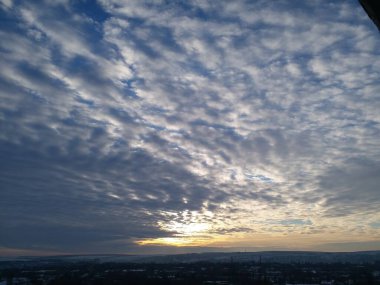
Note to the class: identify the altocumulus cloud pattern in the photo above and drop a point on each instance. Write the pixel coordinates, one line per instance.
(133, 126)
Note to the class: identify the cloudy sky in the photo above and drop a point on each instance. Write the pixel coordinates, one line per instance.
(173, 126)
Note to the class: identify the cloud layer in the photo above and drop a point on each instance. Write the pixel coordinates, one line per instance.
(197, 123)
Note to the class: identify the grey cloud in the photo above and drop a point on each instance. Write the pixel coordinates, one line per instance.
(70, 194)
(351, 187)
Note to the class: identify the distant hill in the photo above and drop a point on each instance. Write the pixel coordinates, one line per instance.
(218, 257)
(267, 256)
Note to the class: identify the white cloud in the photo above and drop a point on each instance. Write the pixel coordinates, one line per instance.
(6, 4)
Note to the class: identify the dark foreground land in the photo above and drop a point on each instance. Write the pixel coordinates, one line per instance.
(95, 271)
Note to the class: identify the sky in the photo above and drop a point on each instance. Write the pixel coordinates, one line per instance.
(188, 126)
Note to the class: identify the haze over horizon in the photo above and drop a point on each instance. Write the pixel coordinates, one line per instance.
(184, 126)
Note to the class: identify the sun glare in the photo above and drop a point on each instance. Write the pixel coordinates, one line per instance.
(187, 229)
(191, 231)
(173, 241)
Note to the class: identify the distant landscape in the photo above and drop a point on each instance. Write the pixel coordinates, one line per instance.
(222, 257)
(270, 268)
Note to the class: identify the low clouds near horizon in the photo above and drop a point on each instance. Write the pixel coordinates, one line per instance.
(127, 125)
